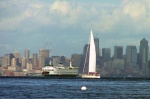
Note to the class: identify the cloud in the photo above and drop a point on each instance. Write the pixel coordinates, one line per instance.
(60, 7)
(63, 14)
(139, 12)
(71, 20)
(135, 10)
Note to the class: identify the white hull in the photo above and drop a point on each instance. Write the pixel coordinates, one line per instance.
(90, 76)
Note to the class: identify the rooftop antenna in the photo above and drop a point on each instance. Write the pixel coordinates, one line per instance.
(48, 46)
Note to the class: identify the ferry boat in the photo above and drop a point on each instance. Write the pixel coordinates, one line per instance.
(60, 71)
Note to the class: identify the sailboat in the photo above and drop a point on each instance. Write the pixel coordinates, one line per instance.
(92, 60)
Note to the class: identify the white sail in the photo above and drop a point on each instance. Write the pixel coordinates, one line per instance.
(92, 56)
(92, 60)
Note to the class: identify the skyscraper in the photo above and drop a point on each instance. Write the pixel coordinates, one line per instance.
(35, 60)
(14, 62)
(144, 50)
(9, 57)
(17, 55)
(106, 54)
(118, 52)
(27, 54)
(24, 63)
(85, 58)
(86, 51)
(43, 57)
(96, 40)
(131, 55)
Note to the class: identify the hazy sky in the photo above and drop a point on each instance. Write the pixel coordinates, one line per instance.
(64, 25)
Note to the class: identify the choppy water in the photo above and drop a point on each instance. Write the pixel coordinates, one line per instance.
(22, 88)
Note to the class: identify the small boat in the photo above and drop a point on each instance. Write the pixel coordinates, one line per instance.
(92, 60)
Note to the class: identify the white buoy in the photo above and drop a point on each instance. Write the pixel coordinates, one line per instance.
(83, 88)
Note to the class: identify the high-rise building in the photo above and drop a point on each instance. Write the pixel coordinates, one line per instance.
(24, 63)
(27, 54)
(85, 60)
(4, 61)
(56, 60)
(149, 64)
(131, 56)
(149, 56)
(1, 61)
(76, 59)
(44, 52)
(29, 67)
(14, 62)
(106, 54)
(17, 55)
(118, 52)
(85, 50)
(9, 57)
(144, 50)
(43, 57)
(96, 40)
(35, 60)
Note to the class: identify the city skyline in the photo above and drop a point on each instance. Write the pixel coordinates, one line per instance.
(65, 25)
(132, 62)
(27, 52)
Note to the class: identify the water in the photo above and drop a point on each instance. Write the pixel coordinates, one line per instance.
(24, 88)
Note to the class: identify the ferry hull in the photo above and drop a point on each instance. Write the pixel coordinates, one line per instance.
(60, 76)
(47, 74)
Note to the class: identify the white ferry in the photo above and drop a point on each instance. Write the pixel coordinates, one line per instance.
(60, 71)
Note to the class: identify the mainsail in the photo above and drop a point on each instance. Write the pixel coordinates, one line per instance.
(92, 56)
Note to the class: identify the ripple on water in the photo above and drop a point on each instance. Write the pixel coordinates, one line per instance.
(71, 88)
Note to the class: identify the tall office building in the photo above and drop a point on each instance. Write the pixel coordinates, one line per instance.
(44, 52)
(149, 56)
(85, 58)
(43, 57)
(14, 62)
(106, 54)
(9, 57)
(96, 40)
(24, 63)
(17, 55)
(149, 60)
(144, 50)
(29, 67)
(118, 52)
(76, 59)
(35, 60)
(56, 60)
(27, 54)
(86, 51)
(131, 56)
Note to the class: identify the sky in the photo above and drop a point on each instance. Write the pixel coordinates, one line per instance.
(64, 25)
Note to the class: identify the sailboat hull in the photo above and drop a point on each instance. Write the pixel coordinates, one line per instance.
(90, 76)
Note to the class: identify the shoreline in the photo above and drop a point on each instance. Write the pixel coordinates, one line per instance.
(103, 78)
